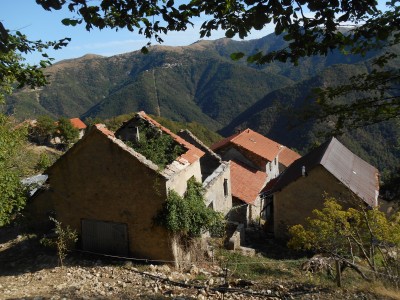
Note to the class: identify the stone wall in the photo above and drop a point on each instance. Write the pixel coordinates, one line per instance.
(178, 181)
(99, 180)
(216, 196)
(296, 201)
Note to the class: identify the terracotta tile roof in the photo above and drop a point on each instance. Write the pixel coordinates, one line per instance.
(246, 183)
(359, 176)
(223, 142)
(259, 145)
(77, 123)
(104, 129)
(191, 155)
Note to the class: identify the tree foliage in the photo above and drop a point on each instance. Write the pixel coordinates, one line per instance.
(156, 145)
(12, 67)
(309, 27)
(46, 125)
(353, 234)
(12, 192)
(188, 216)
(44, 129)
(376, 99)
(68, 133)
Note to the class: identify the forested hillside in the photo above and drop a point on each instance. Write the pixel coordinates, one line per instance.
(201, 83)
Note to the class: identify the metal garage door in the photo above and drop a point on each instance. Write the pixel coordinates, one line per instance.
(105, 237)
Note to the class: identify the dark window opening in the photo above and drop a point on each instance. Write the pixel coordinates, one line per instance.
(226, 192)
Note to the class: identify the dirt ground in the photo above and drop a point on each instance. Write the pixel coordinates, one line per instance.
(31, 271)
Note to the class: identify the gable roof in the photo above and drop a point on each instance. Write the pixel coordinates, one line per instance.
(77, 123)
(260, 146)
(192, 153)
(194, 140)
(358, 175)
(168, 172)
(246, 183)
(104, 130)
(105, 133)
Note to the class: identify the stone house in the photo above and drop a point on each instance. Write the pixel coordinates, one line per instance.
(213, 172)
(254, 161)
(216, 175)
(330, 169)
(110, 193)
(78, 124)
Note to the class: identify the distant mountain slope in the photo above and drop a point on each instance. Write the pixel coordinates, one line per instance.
(200, 83)
(189, 87)
(278, 115)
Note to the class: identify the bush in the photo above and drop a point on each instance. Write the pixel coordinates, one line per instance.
(156, 146)
(188, 216)
(349, 234)
(12, 192)
(65, 237)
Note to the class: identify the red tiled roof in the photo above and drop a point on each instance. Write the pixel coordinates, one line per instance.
(259, 145)
(246, 183)
(77, 123)
(104, 129)
(223, 142)
(191, 155)
(288, 156)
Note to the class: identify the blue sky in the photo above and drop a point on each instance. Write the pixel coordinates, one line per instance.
(36, 23)
(31, 19)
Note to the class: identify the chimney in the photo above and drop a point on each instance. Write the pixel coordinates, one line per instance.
(137, 135)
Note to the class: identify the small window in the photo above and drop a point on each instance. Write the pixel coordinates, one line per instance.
(226, 187)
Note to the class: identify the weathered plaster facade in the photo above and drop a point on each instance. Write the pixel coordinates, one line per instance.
(178, 181)
(295, 202)
(216, 176)
(101, 185)
(217, 187)
(101, 179)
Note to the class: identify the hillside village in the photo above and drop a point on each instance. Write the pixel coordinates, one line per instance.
(110, 194)
(244, 177)
(261, 165)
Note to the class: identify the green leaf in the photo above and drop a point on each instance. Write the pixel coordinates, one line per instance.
(144, 50)
(237, 55)
(229, 33)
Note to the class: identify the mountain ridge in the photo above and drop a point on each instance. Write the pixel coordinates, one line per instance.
(201, 83)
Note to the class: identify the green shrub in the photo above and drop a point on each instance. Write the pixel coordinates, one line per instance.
(188, 216)
(65, 237)
(156, 146)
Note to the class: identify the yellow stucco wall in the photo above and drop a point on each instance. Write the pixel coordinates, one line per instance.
(296, 201)
(98, 180)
